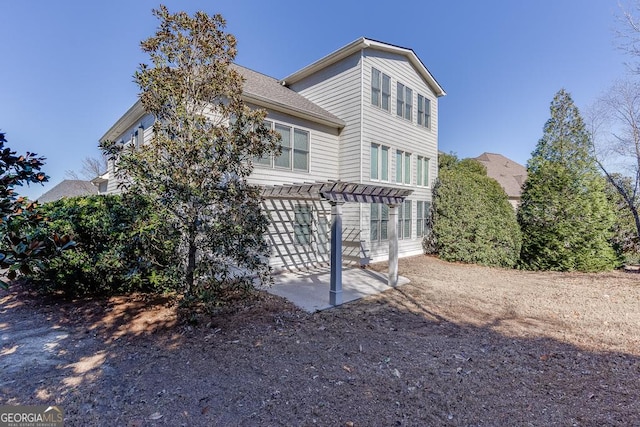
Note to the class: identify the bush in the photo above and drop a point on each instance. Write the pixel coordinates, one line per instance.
(122, 246)
(472, 218)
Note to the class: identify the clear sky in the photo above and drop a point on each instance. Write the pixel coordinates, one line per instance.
(67, 65)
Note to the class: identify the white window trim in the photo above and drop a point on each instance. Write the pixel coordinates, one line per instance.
(379, 163)
(381, 91)
(420, 164)
(292, 133)
(425, 117)
(403, 163)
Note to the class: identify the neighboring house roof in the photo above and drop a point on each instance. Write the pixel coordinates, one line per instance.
(509, 174)
(69, 188)
(364, 43)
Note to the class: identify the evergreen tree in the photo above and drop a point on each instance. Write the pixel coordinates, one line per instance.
(196, 165)
(565, 217)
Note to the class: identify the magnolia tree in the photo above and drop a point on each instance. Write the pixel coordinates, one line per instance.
(20, 252)
(196, 164)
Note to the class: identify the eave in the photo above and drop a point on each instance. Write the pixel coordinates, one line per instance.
(356, 46)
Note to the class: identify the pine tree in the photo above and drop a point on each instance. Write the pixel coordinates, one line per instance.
(565, 217)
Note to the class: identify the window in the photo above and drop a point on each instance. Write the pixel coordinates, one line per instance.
(422, 219)
(379, 162)
(380, 89)
(265, 160)
(404, 103)
(379, 222)
(295, 148)
(403, 167)
(423, 171)
(424, 111)
(302, 225)
(300, 150)
(284, 159)
(404, 220)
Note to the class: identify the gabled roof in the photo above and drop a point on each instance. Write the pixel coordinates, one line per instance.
(266, 91)
(69, 188)
(364, 43)
(258, 89)
(509, 174)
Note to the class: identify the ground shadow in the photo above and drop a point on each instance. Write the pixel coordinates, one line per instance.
(386, 360)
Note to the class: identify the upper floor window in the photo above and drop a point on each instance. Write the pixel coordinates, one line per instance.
(266, 159)
(380, 89)
(423, 171)
(379, 162)
(404, 106)
(295, 148)
(404, 220)
(403, 167)
(424, 111)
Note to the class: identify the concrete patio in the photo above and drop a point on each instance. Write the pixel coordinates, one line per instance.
(309, 289)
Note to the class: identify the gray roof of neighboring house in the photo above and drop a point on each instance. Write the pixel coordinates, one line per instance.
(69, 188)
(509, 174)
(267, 91)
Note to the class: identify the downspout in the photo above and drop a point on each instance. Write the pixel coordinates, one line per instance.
(361, 131)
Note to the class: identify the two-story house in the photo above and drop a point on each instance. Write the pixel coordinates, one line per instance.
(359, 141)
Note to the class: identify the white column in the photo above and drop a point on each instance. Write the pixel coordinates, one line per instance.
(392, 234)
(335, 293)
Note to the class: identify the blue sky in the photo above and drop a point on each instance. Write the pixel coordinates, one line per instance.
(67, 65)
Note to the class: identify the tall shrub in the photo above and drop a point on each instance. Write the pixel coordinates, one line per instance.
(472, 218)
(122, 246)
(565, 216)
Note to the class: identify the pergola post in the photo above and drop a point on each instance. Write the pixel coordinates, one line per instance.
(335, 293)
(392, 234)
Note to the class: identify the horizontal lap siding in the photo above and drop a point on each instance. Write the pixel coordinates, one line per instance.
(147, 123)
(323, 155)
(285, 252)
(386, 128)
(337, 89)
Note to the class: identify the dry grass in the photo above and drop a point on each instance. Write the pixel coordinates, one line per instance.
(461, 345)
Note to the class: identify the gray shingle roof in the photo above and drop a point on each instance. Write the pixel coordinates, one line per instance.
(509, 174)
(268, 89)
(69, 188)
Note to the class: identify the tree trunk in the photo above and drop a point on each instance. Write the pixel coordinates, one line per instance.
(191, 261)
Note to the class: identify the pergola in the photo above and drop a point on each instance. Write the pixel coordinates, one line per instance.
(338, 193)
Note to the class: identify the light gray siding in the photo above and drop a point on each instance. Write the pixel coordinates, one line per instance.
(323, 155)
(344, 89)
(337, 89)
(387, 128)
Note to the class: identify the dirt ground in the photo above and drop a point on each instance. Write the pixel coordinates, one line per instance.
(461, 345)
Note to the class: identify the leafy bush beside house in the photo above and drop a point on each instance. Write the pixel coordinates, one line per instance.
(123, 246)
(472, 218)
